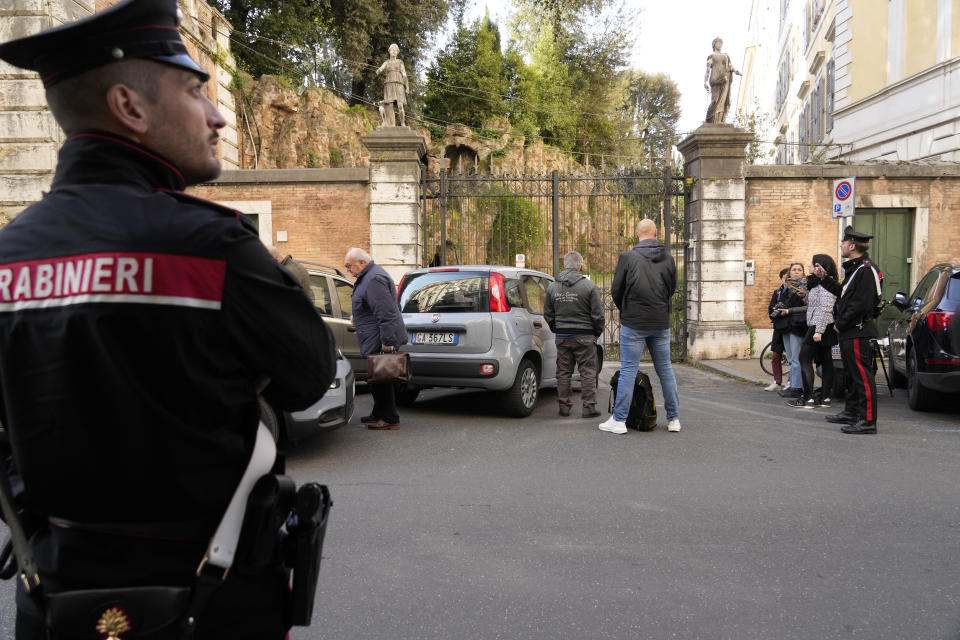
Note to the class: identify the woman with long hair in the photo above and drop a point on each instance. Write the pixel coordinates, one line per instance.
(820, 337)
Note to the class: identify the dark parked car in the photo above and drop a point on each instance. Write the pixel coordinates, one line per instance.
(925, 340)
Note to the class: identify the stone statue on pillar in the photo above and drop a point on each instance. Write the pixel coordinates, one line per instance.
(395, 88)
(717, 80)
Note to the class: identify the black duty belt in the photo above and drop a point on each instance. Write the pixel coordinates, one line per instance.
(184, 532)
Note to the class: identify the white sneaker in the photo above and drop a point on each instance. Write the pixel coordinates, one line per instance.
(773, 386)
(613, 426)
(674, 425)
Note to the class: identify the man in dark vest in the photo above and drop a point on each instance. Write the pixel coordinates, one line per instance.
(858, 303)
(574, 312)
(137, 326)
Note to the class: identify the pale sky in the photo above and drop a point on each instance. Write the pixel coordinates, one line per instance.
(674, 38)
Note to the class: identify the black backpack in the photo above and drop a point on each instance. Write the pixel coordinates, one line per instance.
(643, 407)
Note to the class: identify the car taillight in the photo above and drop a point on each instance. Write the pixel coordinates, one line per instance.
(939, 320)
(444, 270)
(498, 297)
(400, 286)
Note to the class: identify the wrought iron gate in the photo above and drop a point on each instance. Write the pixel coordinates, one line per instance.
(482, 219)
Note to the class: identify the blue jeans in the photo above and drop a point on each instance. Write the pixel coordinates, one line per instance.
(792, 342)
(632, 343)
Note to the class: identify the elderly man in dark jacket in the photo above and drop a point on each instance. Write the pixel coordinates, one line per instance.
(574, 311)
(644, 282)
(379, 328)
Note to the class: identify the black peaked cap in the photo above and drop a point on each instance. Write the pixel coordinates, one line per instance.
(850, 234)
(146, 29)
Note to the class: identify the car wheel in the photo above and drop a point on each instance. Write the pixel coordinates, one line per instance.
(897, 379)
(269, 418)
(407, 394)
(521, 398)
(917, 397)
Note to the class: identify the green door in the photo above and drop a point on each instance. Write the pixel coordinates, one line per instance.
(892, 231)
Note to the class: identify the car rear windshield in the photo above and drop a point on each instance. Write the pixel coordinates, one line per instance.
(447, 291)
(951, 300)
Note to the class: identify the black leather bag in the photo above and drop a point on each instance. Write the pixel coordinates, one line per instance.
(389, 367)
(156, 613)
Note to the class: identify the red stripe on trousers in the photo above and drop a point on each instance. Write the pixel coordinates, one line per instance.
(863, 378)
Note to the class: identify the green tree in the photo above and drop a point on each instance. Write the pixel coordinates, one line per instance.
(552, 104)
(466, 82)
(517, 225)
(342, 42)
(272, 37)
(758, 123)
(576, 50)
(648, 114)
(519, 92)
(363, 30)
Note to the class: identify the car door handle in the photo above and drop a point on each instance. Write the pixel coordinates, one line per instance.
(538, 325)
(352, 329)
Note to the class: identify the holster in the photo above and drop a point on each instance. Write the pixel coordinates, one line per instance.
(268, 508)
(306, 529)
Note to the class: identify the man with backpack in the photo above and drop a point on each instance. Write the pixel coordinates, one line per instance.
(858, 305)
(574, 312)
(643, 285)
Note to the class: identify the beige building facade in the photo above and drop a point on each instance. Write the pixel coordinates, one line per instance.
(898, 80)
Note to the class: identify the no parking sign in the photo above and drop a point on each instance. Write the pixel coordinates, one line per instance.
(843, 197)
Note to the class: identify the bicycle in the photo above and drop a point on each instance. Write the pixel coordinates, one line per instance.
(767, 354)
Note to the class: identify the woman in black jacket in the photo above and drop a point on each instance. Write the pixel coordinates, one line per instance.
(796, 313)
(777, 302)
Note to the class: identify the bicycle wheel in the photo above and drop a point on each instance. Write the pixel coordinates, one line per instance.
(766, 361)
(764, 355)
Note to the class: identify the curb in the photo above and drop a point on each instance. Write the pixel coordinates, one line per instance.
(730, 372)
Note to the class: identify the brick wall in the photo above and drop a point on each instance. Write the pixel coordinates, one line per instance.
(788, 217)
(324, 212)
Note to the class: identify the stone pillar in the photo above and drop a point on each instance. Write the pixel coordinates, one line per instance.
(396, 233)
(714, 217)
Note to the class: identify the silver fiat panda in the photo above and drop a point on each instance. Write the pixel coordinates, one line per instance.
(478, 326)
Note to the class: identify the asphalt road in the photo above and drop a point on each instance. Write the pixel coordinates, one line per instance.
(756, 521)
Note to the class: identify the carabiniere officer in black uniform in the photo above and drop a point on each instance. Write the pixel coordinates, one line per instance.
(137, 325)
(858, 299)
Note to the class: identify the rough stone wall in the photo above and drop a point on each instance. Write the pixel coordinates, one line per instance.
(323, 212)
(788, 217)
(311, 130)
(317, 128)
(507, 154)
(29, 136)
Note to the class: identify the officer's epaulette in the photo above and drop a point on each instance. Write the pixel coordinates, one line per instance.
(208, 204)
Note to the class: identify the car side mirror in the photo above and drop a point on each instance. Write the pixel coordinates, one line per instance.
(900, 301)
